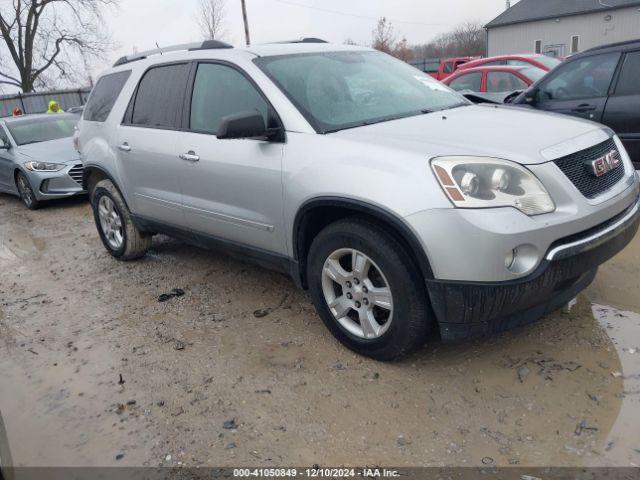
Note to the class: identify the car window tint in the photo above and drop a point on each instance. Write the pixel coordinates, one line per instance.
(517, 63)
(588, 77)
(448, 67)
(504, 82)
(159, 98)
(104, 96)
(3, 136)
(219, 91)
(629, 82)
(470, 81)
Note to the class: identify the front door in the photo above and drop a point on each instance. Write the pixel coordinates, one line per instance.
(232, 188)
(579, 87)
(6, 163)
(147, 144)
(622, 110)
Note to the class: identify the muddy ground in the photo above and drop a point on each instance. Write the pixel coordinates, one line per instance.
(95, 371)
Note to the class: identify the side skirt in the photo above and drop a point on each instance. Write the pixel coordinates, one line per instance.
(239, 251)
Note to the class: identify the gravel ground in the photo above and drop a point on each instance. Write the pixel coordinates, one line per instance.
(95, 371)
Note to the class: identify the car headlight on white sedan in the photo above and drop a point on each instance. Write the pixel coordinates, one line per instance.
(478, 182)
(43, 166)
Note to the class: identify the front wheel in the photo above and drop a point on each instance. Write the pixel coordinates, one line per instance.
(27, 194)
(118, 233)
(367, 290)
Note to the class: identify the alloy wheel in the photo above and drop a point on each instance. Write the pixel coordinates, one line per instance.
(357, 293)
(24, 188)
(110, 222)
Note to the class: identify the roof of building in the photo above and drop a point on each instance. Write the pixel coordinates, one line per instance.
(531, 10)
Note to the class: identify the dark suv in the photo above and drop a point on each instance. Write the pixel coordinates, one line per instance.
(601, 84)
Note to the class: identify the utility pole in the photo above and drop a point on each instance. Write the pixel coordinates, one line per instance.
(508, 4)
(246, 22)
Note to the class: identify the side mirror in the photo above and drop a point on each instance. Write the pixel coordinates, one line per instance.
(4, 145)
(531, 96)
(243, 125)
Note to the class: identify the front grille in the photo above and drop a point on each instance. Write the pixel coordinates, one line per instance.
(573, 166)
(76, 173)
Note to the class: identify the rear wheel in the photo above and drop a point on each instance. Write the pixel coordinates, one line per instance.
(118, 233)
(367, 290)
(27, 194)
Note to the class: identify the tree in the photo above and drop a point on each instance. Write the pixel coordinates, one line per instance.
(384, 37)
(467, 39)
(50, 40)
(210, 19)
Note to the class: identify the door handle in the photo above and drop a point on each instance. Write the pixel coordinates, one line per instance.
(584, 108)
(124, 147)
(190, 156)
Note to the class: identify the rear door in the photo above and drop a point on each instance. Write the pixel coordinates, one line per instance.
(579, 87)
(622, 112)
(148, 143)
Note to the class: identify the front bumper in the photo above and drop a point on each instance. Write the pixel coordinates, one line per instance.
(471, 309)
(64, 183)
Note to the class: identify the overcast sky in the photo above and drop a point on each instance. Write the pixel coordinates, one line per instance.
(141, 23)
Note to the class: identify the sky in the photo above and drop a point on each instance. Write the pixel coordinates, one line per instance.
(141, 23)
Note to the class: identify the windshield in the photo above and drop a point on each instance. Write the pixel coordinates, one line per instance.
(338, 90)
(41, 129)
(548, 62)
(533, 73)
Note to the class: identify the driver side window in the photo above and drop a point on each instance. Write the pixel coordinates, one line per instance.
(588, 77)
(4, 139)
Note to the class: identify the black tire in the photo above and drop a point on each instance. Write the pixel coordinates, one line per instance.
(26, 192)
(412, 318)
(134, 242)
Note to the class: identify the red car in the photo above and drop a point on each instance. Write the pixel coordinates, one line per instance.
(544, 62)
(498, 80)
(448, 66)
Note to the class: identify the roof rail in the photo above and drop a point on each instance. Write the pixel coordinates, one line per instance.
(206, 45)
(612, 45)
(304, 40)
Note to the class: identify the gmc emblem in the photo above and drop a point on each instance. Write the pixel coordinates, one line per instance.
(602, 165)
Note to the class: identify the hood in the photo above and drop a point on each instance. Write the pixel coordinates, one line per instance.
(520, 135)
(54, 151)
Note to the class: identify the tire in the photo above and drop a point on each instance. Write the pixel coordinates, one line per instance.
(405, 320)
(26, 192)
(122, 239)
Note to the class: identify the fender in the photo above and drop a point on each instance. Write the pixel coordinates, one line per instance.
(398, 226)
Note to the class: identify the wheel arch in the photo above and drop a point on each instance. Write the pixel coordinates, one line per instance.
(93, 174)
(317, 213)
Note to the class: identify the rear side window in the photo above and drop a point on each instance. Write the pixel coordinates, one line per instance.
(448, 67)
(470, 81)
(629, 83)
(219, 91)
(160, 95)
(104, 96)
(499, 82)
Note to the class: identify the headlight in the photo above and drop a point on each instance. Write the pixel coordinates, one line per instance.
(43, 166)
(476, 182)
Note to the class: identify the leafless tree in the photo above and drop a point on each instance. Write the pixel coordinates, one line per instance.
(49, 42)
(210, 18)
(385, 40)
(467, 39)
(384, 37)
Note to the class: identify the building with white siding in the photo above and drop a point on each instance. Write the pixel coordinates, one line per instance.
(562, 27)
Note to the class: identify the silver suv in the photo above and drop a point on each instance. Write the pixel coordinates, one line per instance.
(403, 208)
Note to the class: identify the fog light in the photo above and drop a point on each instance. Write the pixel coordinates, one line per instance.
(510, 259)
(522, 259)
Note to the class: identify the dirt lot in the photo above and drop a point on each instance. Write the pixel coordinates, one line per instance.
(95, 371)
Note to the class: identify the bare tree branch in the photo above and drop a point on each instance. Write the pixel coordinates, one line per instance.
(51, 40)
(211, 19)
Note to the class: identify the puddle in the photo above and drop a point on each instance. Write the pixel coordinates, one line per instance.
(624, 329)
